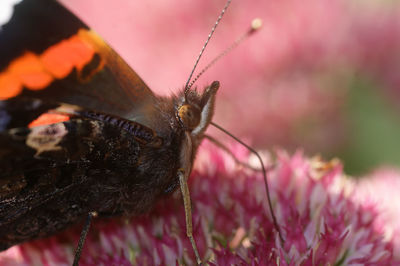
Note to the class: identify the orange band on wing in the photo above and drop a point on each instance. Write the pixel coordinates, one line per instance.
(48, 119)
(36, 72)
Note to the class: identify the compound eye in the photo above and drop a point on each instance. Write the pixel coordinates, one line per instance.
(188, 116)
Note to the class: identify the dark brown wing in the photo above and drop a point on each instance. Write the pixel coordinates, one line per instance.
(58, 162)
(47, 53)
(53, 174)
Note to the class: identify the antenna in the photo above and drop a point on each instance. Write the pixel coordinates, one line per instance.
(276, 225)
(205, 44)
(255, 25)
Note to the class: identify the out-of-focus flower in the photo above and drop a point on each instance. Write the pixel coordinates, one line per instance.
(315, 205)
(381, 191)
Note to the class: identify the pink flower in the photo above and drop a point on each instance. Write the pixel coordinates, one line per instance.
(380, 191)
(315, 204)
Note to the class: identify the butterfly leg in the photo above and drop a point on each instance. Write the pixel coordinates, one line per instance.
(82, 238)
(188, 212)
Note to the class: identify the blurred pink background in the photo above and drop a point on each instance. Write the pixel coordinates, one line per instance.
(322, 75)
(288, 85)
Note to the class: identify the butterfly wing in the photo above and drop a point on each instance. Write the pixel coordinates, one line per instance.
(53, 175)
(46, 52)
(55, 172)
(73, 134)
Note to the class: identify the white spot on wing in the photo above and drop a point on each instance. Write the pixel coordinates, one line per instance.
(67, 109)
(46, 138)
(6, 10)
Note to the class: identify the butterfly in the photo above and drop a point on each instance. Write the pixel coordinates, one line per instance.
(81, 134)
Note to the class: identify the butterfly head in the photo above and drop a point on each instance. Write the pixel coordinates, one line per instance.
(194, 112)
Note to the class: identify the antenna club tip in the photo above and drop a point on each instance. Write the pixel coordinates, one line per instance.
(256, 24)
(215, 85)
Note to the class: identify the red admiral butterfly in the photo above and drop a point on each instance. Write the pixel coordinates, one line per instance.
(80, 132)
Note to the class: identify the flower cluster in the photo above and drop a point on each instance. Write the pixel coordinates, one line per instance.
(323, 218)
